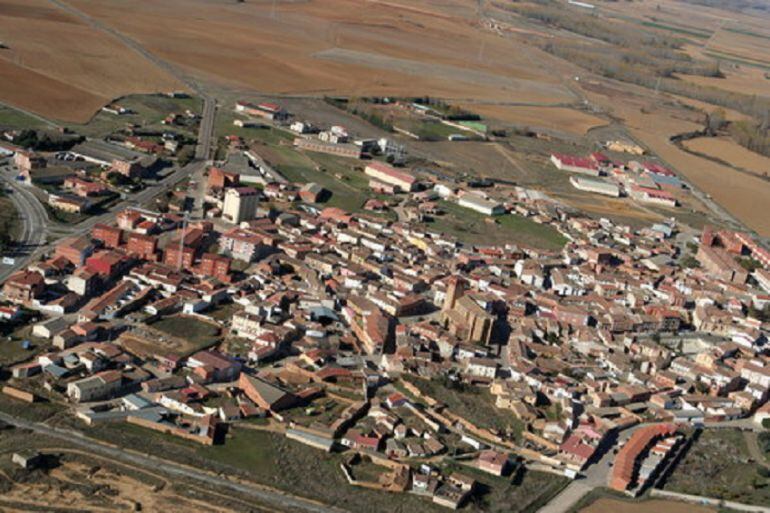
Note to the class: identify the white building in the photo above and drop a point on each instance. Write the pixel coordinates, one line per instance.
(595, 186)
(482, 205)
(240, 204)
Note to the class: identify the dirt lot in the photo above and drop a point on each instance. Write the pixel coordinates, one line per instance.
(74, 480)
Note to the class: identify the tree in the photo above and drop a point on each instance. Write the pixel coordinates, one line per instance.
(715, 121)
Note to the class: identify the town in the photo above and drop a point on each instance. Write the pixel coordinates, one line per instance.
(234, 295)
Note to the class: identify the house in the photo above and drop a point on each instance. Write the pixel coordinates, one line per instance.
(265, 395)
(493, 462)
(69, 203)
(312, 193)
(390, 175)
(23, 287)
(214, 366)
(94, 388)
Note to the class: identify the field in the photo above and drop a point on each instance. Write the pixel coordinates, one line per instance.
(719, 464)
(146, 110)
(473, 228)
(58, 66)
(473, 404)
(730, 152)
(558, 119)
(196, 332)
(179, 335)
(389, 48)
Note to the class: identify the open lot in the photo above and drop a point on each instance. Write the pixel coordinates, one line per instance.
(719, 464)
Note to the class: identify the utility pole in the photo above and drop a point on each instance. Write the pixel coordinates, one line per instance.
(181, 241)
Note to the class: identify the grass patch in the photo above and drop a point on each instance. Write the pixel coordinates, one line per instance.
(199, 333)
(472, 227)
(677, 30)
(15, 119)
(472, 403)
(148, 111)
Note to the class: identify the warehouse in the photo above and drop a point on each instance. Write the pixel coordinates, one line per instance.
(596, 186)
(481, 205)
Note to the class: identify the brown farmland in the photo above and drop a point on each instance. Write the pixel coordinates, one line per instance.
(58, 66)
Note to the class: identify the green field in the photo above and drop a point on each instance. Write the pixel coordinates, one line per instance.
(149, 111)
(14, 119)
(472, 403)
(472, 227)
(223, 126)
(200, 334)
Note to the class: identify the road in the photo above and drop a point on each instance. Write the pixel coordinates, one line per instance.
(92, 446)
(34, 221)
(203, 150)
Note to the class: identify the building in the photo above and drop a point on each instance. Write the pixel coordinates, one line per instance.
(110, 236)
(390, 175)
(312, 193)
(574, 164)
(142, 246)
(27, 161)
(263, 110)
(265, 395)
(114, 157)
(221, 179)
(107, 263)
(76, 250)
(341, 150)
(23, 287)
(625, 469)
(94, 388)
(465, 318)
(240, 204)
(721, 265)
(596, 186)
(217, 266)
(651, 195)
(244, 245)
(481, 205)
(69, 203)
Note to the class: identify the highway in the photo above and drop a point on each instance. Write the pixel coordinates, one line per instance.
(264, 495)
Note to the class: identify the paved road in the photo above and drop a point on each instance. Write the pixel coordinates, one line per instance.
(93, 446)
(34, 222)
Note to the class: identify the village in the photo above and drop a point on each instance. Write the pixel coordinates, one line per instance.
(245, 296)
